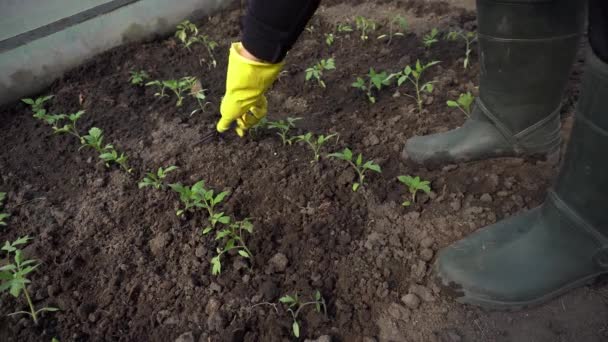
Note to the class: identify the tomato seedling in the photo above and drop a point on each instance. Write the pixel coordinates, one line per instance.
(295, 306)
(365, 26)
(70, 127)
(179, 87)
(198, 93)
(397, 23)
(107, 152)
(315, 144)
(469, 38)
(199, 197)
(3, 216)
(414, 77)
(343, 28)
(37, 105)
(374, 79)
(463, 103)
(13, 277)
(329, 39)
(258, 127)
(283, 127)
(358, 164)
(138, 77)
(316, 71)
(414, 185)
(156, 179)
(430, 38)
(188, 34)
(233, 240)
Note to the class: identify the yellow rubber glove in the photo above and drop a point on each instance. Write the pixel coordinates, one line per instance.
(246, 83)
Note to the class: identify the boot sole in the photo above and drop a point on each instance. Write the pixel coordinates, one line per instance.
(551, 158)
(516, 306)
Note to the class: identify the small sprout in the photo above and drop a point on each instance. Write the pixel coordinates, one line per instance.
(198, 93)
(13, 277)
(198, 196)
(469, 38)
(37, 105)
(374, 79)
(329, 39)
(463, 103)
(294, 307)
(138, 77)
(156, 179)
(316, 71)
(260, 126)
(107, 153)
(3, 216)
(365, 26)
(414, 76)
(94, 139)
(414, 185)
(233, 240)
(430, 38)
(283, 127)
(161, 85)
(343, 28)
(315, 144)
(179, 87)
(187, 33)
(70, 127)
(110, 155)
(397, 23)
(210, 45)
(358, 164)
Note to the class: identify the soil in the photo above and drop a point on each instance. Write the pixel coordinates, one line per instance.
(123, 267)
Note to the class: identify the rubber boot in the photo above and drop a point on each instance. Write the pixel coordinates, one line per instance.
(526, 50)
(530, 258)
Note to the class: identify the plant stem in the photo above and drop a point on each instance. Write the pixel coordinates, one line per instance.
(359, 172)
(30, 304)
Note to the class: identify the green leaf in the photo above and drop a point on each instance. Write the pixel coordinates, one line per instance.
(216, 265)
(296, 329)
(452, 104)
(222, 234)
(16, 285)
(9, 267)
(220, 197)
(287, 299)
(356, 186)
(374, 167)
(244, 254)
(359, 159)
(406, 203)
(28, 101)
(22, 240)
(224, 219)
(207, 230)
(317, 295)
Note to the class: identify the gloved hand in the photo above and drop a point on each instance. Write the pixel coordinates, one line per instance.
(246, 83)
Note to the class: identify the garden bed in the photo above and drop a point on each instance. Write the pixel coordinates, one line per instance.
(121, 266)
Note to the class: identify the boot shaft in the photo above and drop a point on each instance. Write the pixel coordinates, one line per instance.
(583, 180)
(526, 51)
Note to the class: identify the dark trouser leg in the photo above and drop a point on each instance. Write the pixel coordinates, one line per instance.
(526, 50)
(537, 255)
(271, 27)
(598, 28)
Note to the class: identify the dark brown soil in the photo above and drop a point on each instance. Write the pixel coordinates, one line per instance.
(122, 266)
